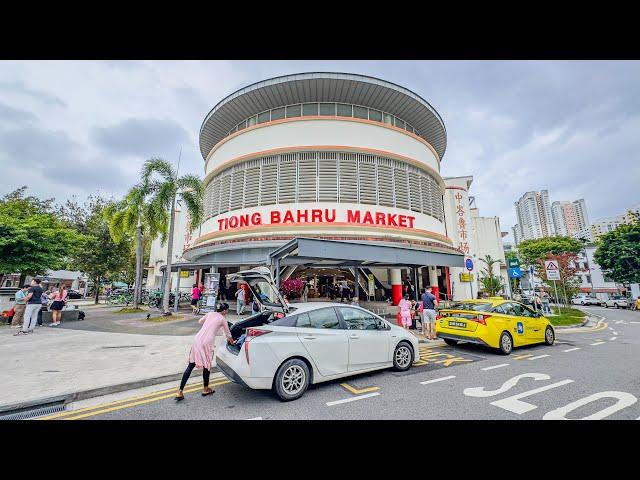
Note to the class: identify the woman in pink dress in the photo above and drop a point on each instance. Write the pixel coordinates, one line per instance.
(405, 311)
(201, 352)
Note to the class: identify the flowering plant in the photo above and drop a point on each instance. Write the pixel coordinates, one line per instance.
(292, 287)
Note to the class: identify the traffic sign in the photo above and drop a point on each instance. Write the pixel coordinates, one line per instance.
(552, 269)
(513, 263)
(469, 264)
(514, 272)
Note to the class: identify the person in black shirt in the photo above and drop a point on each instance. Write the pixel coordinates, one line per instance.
(34, 304)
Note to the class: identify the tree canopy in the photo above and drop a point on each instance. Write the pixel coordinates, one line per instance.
(618, 253)
(532, 251)
(33, 238)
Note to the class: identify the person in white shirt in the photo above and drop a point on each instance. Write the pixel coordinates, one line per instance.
(241, 300)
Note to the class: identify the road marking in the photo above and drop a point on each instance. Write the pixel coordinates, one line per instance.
(515, 405)
(357, 391)
(597, 343)
(438, 380)
(352, 399)
(128, 403)
(615, 333)
(612, 339)
(495, 366)
(539, 356)
(522, 357)
(623, 400)
(572, 349)
(634, 322)
(610, 328)
(256, 418)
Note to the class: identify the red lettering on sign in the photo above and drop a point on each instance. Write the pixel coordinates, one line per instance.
(303, 216)
(275, 216)
(411, 219)
(288, 217)
(391, 219)
(256, 219)
(244, 220)
(402, 220)
(353, 217)
(330, 218)
(316, 215)
(220, 222)
(233, 222)
(368, 218)
(380, 218)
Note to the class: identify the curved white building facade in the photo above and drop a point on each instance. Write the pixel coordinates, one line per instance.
(322, 155)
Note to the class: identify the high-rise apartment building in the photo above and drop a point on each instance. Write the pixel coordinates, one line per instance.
(535, 220)
(605, 225)
(571, 219)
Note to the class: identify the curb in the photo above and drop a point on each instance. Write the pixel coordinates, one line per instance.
(95, 392)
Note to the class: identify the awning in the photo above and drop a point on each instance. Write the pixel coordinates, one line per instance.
(313, 252)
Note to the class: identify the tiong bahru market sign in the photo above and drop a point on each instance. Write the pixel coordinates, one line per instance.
(318, 214)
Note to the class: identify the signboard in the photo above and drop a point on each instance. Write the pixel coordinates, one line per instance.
(185, 273)
(372, 285)
(211, 286)
(466, 277)
(514, 272)
(513, 263)
(552, 269)
(468, 263)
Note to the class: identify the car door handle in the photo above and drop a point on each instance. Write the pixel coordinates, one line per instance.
(353, 335)
(309, 337)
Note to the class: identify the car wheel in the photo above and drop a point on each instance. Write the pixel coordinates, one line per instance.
(616, 305)
(402, 357)
(451, 341)
(549, 336)
(582, 303)
(292, 380)
(606, 305)
(506, 343)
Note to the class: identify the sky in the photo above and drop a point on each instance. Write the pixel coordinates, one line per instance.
(74, 128)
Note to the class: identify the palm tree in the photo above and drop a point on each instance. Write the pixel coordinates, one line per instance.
(163, 193)
(135, 216)
(491, 283)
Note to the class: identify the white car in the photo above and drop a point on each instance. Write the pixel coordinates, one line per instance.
(288, 347)
(616, 301)
(582, 299)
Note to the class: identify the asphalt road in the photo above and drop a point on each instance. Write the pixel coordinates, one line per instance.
(586, 374)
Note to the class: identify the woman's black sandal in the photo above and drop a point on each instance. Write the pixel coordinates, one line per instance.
(211, 390)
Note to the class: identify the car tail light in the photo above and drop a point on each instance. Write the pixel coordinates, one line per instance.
(251, 334)
(246, 351)
(482, 319)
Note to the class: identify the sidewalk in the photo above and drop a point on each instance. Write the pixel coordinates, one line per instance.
(58, 362)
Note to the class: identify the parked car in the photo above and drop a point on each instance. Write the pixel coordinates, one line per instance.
(617, 301)
(493, 322)
(583, 299)
(288, 347)
(73, 294)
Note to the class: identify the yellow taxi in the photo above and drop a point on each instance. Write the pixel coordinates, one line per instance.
(494, 322)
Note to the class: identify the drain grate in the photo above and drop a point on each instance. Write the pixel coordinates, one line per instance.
(37, 412)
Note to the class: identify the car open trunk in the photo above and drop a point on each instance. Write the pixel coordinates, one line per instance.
(239, 328)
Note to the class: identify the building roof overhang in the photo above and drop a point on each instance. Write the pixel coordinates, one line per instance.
(323, 87)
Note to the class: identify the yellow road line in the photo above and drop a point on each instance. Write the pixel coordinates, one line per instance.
(135, 404)
(357, 391)
(521, 357)
(189, 388)
(586, 330)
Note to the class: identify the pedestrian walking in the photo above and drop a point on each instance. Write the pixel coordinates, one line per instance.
(429, 314)
(405, 311)
(202, 349)
(44, 301)
(241, 300)
(19, 307)
(305, 292)
(545, 302)
(59, 300)
(33, 307)
(344, 290)
(195, 298)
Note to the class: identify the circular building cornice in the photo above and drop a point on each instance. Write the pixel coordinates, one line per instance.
(323, 87)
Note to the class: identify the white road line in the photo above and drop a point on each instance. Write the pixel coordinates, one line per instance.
(612, 339)
(634, 322)
(438, 379)
(597, 343)
(353, 399)
(495, 366)
(610, 328)
(257, 418)
(539, 356)
(615, 333)
(572, 349)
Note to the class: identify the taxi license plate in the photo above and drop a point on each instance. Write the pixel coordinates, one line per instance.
(453, 323)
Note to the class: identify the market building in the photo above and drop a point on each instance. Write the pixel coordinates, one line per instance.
(329, 177)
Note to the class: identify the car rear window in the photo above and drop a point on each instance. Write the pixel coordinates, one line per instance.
(289, 321)
(476, 307)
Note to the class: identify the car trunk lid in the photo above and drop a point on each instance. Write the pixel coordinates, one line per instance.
(262, 287)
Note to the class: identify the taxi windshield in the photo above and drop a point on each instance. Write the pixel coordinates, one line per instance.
(475, 306)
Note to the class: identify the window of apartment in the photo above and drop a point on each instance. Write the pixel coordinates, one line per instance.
(251, 121)
(264, 117)
(293, 111)
(344, 110)
(242, 126)
(277, 113)
(327, 109)
(360, 112)
(375, 115)
(388, 119)
(399, 123)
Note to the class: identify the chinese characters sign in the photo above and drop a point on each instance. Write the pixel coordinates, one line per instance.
(463, 236)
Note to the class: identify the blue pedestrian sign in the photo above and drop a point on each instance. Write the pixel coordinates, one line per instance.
(514, 272)
(469, 264)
